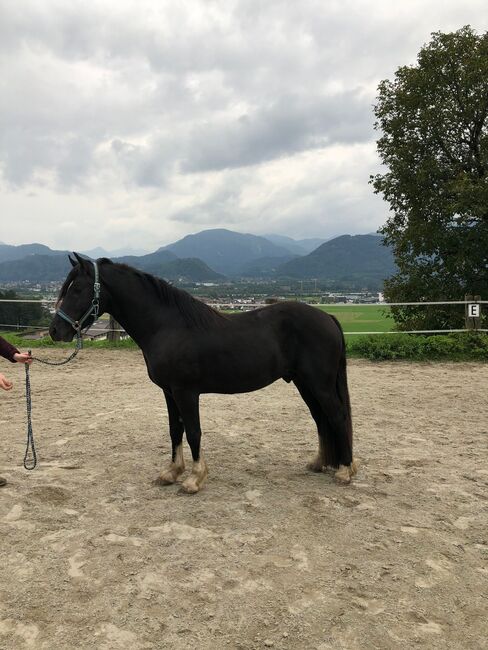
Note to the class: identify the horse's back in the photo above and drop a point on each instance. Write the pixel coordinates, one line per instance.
(297, 319)
(249, 350)
(302, 332)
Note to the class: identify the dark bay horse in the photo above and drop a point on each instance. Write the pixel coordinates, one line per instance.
(191, 349)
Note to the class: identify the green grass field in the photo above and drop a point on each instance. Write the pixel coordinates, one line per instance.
(362, 318)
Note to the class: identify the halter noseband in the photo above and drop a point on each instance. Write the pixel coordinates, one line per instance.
(93, 309)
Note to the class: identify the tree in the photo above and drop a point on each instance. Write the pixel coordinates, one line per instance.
(13, 314)
(434, 144)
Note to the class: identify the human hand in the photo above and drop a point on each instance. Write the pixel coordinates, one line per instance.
(5, 383)
(23, 357)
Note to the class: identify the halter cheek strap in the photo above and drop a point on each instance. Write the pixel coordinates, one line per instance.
(93, 309)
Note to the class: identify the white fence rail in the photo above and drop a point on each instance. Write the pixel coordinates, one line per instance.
(335, 304)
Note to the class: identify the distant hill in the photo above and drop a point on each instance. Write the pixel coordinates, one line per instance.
(226, 251)
(348, 261)
(144, 262)
(296, 246)
(188, 269)
(97, 252)
(35, 268)
(9, 252)
(264, 267)
(165, 264)
(291, 245)
(312, 243)
(356, 259)
(54, 268)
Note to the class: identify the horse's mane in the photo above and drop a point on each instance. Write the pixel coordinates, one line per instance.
(195, 312)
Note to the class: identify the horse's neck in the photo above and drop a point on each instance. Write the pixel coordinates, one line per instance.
(131, 307)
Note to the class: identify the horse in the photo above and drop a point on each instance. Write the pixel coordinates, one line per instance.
(191, 349)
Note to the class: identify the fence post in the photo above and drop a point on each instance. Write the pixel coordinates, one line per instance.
(472, 322)
(113, 336)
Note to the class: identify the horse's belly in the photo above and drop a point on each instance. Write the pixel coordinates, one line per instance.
(239, 385)
(243, 376)
(221, 364)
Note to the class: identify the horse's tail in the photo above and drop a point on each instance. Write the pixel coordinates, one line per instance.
(343, 392)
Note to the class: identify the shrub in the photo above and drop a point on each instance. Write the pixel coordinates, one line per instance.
(463, 346)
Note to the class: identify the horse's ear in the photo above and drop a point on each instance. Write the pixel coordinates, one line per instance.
(82, 261)
(72, 261)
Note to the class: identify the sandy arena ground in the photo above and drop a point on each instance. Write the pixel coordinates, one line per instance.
(93, 555)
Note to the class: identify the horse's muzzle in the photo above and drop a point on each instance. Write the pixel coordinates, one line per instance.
(61, 332)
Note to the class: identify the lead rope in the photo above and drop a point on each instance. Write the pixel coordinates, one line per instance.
(30, 457)
(29, 463)
(79, 345)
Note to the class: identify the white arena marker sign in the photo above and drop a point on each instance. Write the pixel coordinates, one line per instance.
(474, 310)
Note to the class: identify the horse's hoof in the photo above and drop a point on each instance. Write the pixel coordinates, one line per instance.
(159, 481)
(195, 481)
(166, 478)
(343, 475)
(345, 472)
(190, 486)
(170, 475)
(314, 466)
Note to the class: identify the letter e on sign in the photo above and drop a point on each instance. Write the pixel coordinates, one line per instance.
(473, 310)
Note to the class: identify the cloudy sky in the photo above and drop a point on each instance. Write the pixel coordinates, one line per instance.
(134, 123)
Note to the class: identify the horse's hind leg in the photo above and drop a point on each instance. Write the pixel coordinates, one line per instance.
(338, 435)
(318, 462)
(176, 429)
(187, 403)
(332, 417)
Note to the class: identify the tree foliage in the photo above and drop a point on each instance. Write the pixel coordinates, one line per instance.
(15, 313)
(434, 144)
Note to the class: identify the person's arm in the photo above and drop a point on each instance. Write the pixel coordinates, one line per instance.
(8, 351)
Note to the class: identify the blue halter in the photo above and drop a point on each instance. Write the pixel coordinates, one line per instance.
(93, 309)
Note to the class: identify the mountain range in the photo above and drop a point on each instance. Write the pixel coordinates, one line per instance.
(226, 251)
(215, 255)
(346, 259)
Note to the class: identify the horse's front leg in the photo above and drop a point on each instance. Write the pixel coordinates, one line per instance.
(188, 405)
(176, 429)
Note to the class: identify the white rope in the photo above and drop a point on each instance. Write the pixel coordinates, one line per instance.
(416, 332)
(331, 304)
(38, 327)
(122, 331)
(340, 305)
(36, 302)
(399, 304)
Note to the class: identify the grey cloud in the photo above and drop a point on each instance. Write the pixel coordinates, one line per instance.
(150, 164)
(169, 75)
(149, 98)
(326, 211)
(154, 71)
(291, 125)
(221, 207)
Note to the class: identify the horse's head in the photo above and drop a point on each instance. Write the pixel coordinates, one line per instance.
(79, 302)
